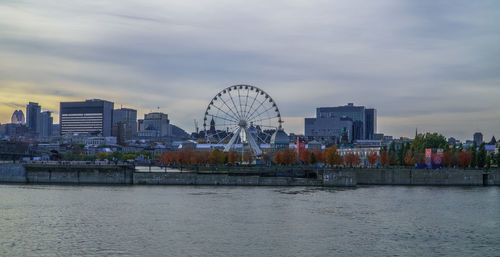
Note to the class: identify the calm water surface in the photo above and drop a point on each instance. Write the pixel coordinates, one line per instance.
(248, 221)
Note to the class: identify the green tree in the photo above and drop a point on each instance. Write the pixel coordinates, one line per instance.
(401, 153)
(498, 158)
(313, 159)
(473, 151)
(129, 156)
(428, 140)
(481, 156)
(393, 156)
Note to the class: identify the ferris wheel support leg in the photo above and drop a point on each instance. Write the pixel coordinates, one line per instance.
(231, 142)
(255, 148)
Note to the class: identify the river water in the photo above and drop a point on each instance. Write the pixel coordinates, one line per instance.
(48, 220)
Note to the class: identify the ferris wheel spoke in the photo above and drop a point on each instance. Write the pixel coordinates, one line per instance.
(229, 108)
(240, 103)
(246, 100)
(232, 100)
(226, 128)
(256, 109)
(222, 118)
(218, 108)
(253, 102)
(229, 135)
(217, 134)
(266, 126)
(258, 115)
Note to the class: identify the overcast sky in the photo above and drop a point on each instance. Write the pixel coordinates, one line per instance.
(432, 65)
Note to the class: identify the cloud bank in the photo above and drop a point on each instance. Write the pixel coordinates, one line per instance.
(431, 65)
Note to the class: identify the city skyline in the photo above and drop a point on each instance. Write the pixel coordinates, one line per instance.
(427, 65)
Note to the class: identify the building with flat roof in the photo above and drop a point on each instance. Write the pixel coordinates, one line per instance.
(341, 124)
(370, 123)
(329, 130)
(46, 122)
(33, 111)
(91, 116)
(124, 124)
(155, 125)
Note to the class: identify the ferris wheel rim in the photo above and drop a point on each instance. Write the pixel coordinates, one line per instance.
(239, 123)
(240, 86)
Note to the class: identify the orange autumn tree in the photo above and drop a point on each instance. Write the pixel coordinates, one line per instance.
(232, 157)
(464, 159)
(286, 156)
(448, 158)
(168, 158)
(305, 157)
(332, 156)
(278, 157)
(384, 158)
(372, 158)
(351, 159)
(217, 157)
(319, 155)
(248, 157)
(409, 159)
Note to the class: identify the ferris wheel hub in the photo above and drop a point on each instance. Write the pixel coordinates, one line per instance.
(243, 123)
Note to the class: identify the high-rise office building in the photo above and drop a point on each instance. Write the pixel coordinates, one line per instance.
(355, 113)
(33, 117)
(329, 130)
(46, 122)
(124, 123)
(370, 123)
(91, 116)
(364, 122)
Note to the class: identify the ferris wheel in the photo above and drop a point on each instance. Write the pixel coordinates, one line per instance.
(243, 117)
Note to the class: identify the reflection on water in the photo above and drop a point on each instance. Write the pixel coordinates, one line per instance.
(248, 221)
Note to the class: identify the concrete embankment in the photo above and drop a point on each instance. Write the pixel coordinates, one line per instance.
(78, 174)
(333, 179)
(12, 173)
(442, 177)
(122, 174)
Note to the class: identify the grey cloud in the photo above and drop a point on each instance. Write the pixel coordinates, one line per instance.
(404, 58)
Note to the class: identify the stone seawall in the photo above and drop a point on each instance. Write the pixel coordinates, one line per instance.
(111, 174)
(189, 178)
(443, 177)
(12, 173)
(78, 174)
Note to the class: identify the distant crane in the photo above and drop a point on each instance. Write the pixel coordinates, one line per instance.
(196, 126)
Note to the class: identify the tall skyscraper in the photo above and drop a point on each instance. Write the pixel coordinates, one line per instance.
(33, 117)
(46, 122)
(370, 123)
(91, 116)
